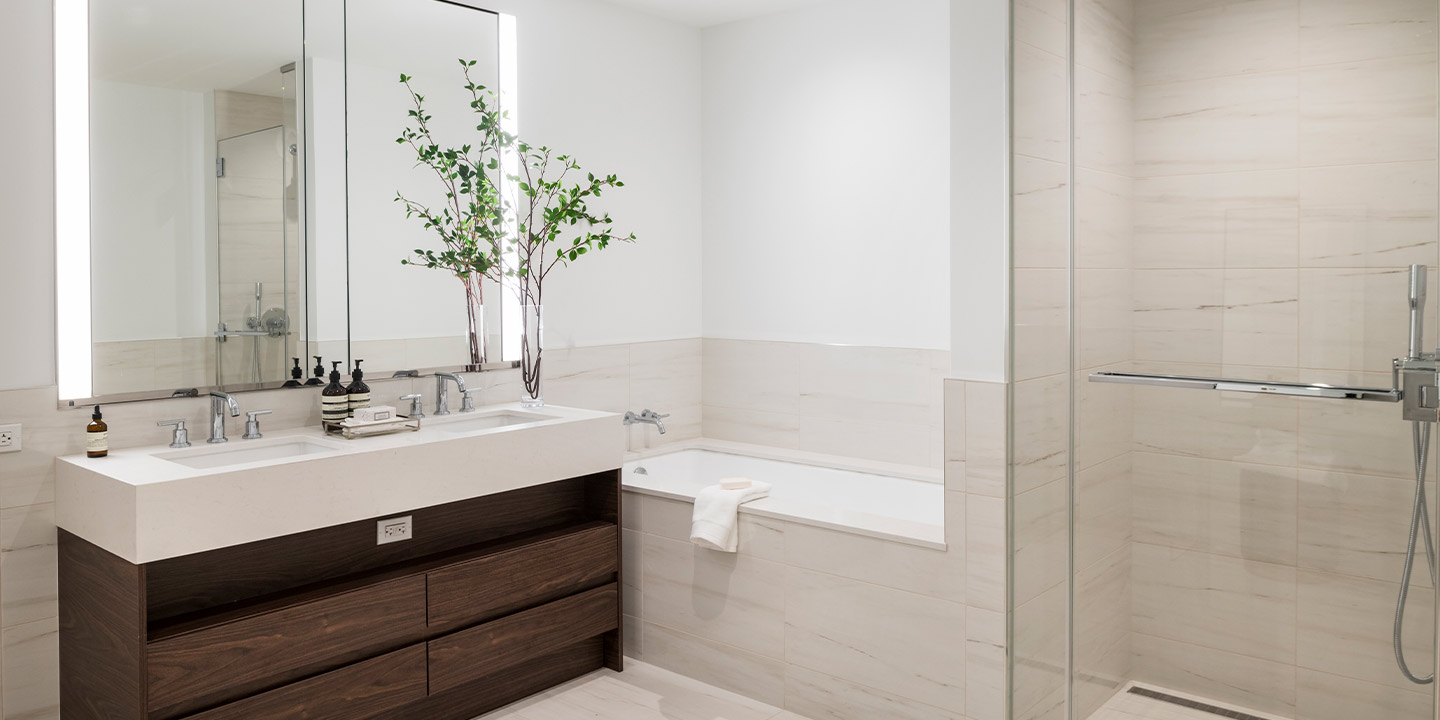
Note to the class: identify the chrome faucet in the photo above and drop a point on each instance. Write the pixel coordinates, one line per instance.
(218, 402)
(647, 417)
(442, 394)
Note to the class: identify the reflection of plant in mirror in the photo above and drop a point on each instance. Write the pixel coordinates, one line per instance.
(471, 221)
(553, 222)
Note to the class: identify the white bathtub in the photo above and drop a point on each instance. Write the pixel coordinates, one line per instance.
(909, 510)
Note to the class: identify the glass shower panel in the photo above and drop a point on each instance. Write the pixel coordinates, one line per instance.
(1246, 189)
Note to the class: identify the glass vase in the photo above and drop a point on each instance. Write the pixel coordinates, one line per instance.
(532, 325)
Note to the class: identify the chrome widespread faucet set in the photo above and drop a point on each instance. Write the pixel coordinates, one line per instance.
(222, 401)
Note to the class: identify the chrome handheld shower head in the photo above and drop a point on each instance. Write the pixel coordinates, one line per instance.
(1418, 279)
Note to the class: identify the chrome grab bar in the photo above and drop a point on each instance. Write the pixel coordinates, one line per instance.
(1314, 390)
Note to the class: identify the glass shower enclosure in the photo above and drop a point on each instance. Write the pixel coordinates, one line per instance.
(1223, 378)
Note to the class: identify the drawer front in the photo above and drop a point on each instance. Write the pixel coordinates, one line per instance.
(370, 689)
(473, 654)
(495, 585)
(213, 665)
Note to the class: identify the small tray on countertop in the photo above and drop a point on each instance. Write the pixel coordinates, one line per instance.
(350, 428)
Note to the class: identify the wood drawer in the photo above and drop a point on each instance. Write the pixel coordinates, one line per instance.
(513, 578)
(370, 689)
(470, 655)
(209, 663)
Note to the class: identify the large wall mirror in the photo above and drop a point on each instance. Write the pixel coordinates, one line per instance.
(227, 185)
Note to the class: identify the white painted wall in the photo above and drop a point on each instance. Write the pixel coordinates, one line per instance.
(826, 166)
(619, 90)
(27, 176)
(148, 228)
(980, 264)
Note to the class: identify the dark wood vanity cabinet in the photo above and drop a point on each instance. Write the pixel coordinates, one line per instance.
(495, 599)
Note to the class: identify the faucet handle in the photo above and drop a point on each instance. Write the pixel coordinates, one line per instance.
(647, 412)
(467, 403)
(417, 405)
(182, 436)
(252, 426)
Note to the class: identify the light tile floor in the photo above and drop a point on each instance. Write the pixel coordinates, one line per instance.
(642, 692)
(1125, 706)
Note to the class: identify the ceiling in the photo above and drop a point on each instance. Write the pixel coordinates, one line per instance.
(705, 13)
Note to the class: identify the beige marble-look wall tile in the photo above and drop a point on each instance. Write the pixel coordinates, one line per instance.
(28, 565)
(756, 427)
(883, 385)
(1104, 219)
(986, 453)
(1041, 322)
(900, 443)
(1182, 40)
(1261, 307)
(1322, 696)
(1105, 419)
(1240, 606)
(1222, 124)
(1244, 219)
(1216, 506)
(666, 376)
(31, 683)
(752, 375)
(1038, 674)
(1356, 525)
(985, 664)
(1368, 216)
(1040, 550)
(730, 598)
(1043, 24)
(1041, 213)
(718, 664)
(1106, 30)
(1355, 439)
(1368, 112)
(1222, 676)
(1040, 451)
(1103, 514)
(1041, 102)
(1105, 315)
(986, 552)
(1179, 315)
(1333, 31)
(817, 696)
(1104, 109)
(1102, 630)
(839, 627)
(592, 378)
(1345, 627)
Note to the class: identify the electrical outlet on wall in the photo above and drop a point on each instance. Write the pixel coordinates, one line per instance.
(10, 438)
(393, 530)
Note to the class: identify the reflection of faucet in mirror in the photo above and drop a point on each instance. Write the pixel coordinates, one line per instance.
(218, 402)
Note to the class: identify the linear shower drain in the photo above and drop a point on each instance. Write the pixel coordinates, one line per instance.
(1192, 704)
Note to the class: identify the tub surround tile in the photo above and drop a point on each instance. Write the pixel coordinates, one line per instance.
(755, 427)
(936, 573)
(716, 663)
(752, 375)
(723, 597)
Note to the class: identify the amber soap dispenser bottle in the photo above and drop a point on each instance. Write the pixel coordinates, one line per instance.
(334, 399)
(97, 436)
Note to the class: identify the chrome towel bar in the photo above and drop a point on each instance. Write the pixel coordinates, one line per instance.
(1315, 390)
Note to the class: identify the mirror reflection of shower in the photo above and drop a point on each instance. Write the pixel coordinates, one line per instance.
(258, 215)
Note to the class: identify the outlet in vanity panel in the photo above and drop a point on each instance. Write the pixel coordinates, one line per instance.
(325, 624)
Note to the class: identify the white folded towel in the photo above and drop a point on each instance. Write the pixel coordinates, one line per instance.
(716, 521)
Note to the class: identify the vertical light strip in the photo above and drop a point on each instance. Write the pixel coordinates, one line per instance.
(510, 165)
(72, 198)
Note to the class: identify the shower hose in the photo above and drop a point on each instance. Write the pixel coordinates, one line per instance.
(1419, 520)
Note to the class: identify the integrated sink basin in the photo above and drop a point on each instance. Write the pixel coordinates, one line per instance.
(468, 423)
(245, 452)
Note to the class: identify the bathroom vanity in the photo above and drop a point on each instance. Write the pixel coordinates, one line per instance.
(250, 582)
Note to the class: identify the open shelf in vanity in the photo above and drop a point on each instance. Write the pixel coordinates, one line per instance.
(496, 598)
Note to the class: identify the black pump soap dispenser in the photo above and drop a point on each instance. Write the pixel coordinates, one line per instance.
(359, 392)
(319, 378)
(296, 375)
(334, 399)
